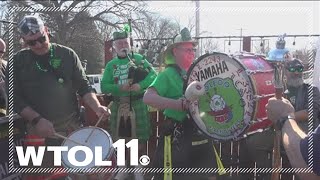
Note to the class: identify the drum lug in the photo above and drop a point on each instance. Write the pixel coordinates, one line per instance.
(249, 72)
(253, 132)
(257, 97)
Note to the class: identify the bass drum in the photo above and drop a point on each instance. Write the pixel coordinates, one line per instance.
(237, 89)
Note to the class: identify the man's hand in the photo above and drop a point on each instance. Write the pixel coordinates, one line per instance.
(185, 103)
(125, 87)
(103, 111)
(135, 87)
(44, 128)
(277, 109)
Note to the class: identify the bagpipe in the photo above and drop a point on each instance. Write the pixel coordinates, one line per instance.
(137, 72)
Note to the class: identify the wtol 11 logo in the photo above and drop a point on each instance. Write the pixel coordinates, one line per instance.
(84, 156)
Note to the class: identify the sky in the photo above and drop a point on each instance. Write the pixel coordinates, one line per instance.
(255, 18)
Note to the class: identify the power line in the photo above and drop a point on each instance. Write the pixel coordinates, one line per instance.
(261, 36)
(225, 37)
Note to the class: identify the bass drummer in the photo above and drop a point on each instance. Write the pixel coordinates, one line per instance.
(188, 148)
(47, 78)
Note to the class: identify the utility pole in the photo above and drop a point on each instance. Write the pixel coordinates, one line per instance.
(198, 26)
(240, 38)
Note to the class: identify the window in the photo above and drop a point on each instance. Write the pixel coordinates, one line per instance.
(96, 80)
(90, 80)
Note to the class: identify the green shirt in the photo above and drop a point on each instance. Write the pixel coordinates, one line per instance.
(41, 90)
(169, 84)
(116, 74)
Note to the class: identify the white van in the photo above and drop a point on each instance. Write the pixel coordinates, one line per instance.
(94, 80)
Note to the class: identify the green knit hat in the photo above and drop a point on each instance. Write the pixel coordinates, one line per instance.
(120, 35)
(183, 37)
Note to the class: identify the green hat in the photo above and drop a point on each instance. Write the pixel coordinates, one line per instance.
(120, 35)
(183, 37)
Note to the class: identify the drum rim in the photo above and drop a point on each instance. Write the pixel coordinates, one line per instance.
(7, 118)
(111, 151)
(239, 57)
(194, 63)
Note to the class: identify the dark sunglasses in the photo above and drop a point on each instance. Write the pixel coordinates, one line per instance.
(41, 40)
(295, 69)
(2, 52)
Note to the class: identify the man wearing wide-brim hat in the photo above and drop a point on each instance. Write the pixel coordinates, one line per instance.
(166, 92)
(181, 51)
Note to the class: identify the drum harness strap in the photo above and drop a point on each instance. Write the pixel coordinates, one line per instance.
(167, 140)
(167, 159)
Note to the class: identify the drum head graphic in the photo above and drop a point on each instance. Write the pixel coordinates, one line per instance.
(99, 138)
(224, 111)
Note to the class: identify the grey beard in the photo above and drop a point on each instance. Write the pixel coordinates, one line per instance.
(294, 82)
(123, 52)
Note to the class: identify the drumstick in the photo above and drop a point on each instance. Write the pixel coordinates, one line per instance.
(65, 138)
(110, 104)
(98, 122)
(276, 144)
(276, 156)
(278, 73)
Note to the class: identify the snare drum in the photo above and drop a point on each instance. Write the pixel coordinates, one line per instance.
(99, 137)
(237, 89)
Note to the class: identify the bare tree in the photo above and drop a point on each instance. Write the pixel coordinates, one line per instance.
(62, 24)
(153, 26)
(75, 25)
(304, 55)
(209, 45)
(2, 16)
(86, 41)
(261, 48)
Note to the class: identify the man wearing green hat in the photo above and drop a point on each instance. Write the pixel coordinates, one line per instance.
(130, 116)
(189, 149)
